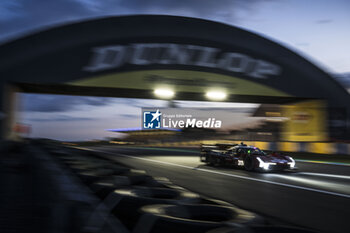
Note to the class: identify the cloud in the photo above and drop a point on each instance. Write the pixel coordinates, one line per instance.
(128, 115)
(20, 16)
(9, 10)
(199, 8)
(59, 103)
(61, 118)
(302, 44)
(24, 15)
(145, 103)
(63, 103)
(324, 21)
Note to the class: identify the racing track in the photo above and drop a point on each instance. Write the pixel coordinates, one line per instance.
(317, 196)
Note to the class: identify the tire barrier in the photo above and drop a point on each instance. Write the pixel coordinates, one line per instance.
(89, 177)
(156, 182)
(73, 160)
(104, 187)
(12, 147)
(67, 158)
(78, 166)
(130, 200)
(60, 153)
(117, 169)
(131, 179)
(191, 218)
(210, 201)
(81, 167)
(149, 204)
(261, 229)
(203, 200)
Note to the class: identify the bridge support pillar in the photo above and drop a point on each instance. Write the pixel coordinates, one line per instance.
(8, 99)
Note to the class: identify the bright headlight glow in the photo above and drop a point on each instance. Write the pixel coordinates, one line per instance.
(216, 95)
(164, 93)
(291, 164)
(263, 164)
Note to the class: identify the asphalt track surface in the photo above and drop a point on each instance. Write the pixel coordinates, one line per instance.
(317, 196)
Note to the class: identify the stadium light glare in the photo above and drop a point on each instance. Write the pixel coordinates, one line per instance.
(164, 93)
(216, 95)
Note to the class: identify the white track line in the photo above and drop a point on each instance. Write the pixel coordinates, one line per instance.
(227, 174)
(325, 175)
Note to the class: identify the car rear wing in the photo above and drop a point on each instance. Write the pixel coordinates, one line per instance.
(208, 146)
(216, 146)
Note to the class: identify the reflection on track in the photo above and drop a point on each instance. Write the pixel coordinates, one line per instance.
(325, 175)
(338, 185)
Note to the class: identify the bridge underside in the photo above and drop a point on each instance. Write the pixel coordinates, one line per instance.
(146, 94)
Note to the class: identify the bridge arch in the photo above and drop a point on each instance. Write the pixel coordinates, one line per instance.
(129, 56)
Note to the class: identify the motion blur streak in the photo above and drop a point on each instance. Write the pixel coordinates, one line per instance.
(231, 175)
(325, 175)
(312, 182)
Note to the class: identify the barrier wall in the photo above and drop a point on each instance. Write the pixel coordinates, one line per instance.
(310, 147)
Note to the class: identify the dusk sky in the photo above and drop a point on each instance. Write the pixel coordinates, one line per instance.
(317, 29)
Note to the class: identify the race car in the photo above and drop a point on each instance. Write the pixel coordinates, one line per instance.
(250, 158)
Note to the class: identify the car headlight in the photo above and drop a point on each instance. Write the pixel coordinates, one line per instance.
(261, 163)
(292, 163)
(264, 165)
